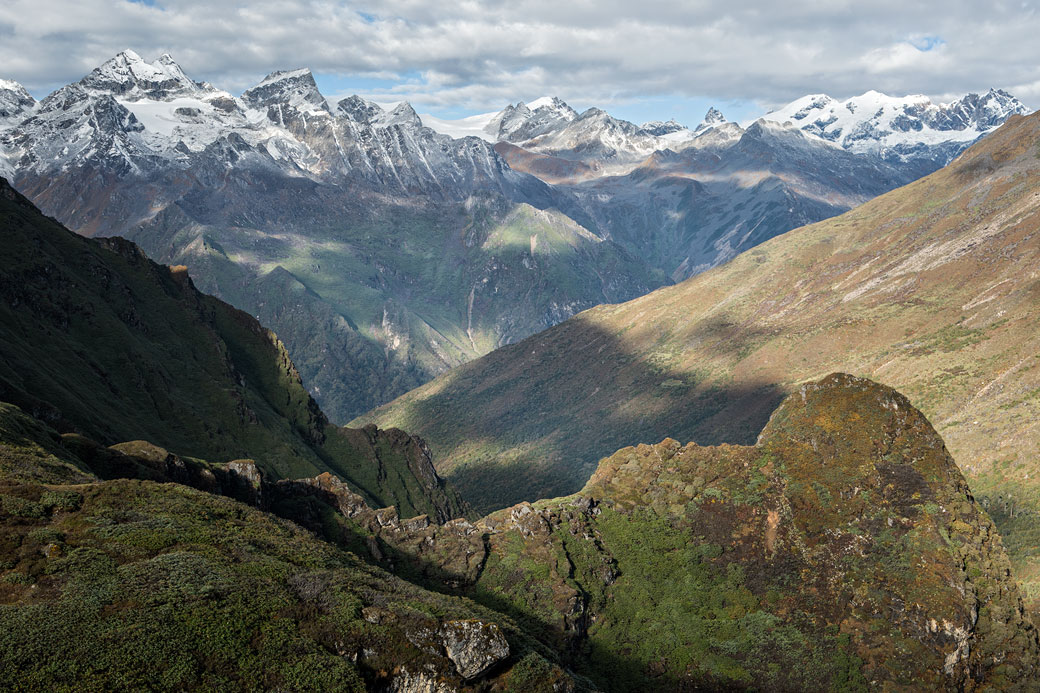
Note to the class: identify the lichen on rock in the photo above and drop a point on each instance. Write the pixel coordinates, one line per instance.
(474, 646)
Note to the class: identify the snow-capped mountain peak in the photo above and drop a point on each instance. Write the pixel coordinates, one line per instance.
(895, 126)
(660, 127)
(401, 114)
(295, 88)
(16, 103)
(714, 117)
(552, 104)
(358, 109)
(525, 121)
(129, 76)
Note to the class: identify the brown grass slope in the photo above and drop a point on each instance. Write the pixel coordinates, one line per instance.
(933, 288)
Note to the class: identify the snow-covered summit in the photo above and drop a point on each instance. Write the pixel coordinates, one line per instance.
(894, 126)
(659, 127)
(295, 88)
(358, 109)
(401, 114)
(129, 76)
(16, 103)
(550, 103)
(519, 122)
(9, 85)
(712, 118)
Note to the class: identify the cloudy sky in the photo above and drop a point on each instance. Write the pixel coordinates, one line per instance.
(640, 60)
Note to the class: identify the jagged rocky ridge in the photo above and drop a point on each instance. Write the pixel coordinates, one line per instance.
(906, 130)
(842, 551)
(135, 582)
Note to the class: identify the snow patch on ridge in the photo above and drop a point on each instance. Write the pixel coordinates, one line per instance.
(471, 126)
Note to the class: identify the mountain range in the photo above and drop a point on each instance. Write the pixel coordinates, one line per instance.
(384, 252)
(178, 513)
(131, 565)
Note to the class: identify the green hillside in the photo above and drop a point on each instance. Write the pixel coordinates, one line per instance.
(99, 340)
(375, 296)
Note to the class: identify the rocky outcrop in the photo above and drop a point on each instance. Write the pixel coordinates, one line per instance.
(451, 553)
(474, 646)
(406, 681)
(845, 537)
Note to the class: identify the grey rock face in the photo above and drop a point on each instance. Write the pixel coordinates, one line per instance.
(406, 681)
(474, 646)
(246, 481)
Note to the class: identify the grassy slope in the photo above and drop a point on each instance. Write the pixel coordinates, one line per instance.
(931, 288)
(98, 339)
(133, 585)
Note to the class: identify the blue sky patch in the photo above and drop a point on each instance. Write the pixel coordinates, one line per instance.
(927, 42)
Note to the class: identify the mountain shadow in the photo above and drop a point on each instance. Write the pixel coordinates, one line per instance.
(521, 447)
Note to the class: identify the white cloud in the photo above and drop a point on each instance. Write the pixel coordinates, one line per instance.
(906, 58)
(479, 55)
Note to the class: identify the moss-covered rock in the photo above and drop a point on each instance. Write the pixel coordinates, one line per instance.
(134, 585)
(843, 551)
